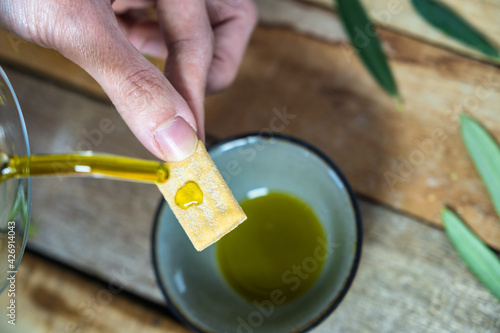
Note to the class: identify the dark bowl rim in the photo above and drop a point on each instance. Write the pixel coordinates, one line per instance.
(359, 233)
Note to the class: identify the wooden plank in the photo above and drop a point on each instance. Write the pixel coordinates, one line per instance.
(51, 298)
(410, 278)
(300, 15)
(47, 62)
(400, 16)
(412, 160)
(433, 294)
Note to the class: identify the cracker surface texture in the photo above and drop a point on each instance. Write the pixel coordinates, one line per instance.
(219, 212)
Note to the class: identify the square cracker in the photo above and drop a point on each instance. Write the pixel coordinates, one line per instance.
(217, 214)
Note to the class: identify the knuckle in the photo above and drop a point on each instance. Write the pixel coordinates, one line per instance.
(245, 10)
(197, 40)
(140, 88)
(224, 83)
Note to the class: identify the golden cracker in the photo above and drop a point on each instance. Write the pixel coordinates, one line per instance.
(219, 212)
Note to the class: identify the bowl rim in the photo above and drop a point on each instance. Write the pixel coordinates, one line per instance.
(358, 224)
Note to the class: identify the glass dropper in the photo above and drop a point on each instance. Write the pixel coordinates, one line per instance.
(86, 163)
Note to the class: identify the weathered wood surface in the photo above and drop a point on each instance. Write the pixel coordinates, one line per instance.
(49, 63)
(434, 294)
(400, 16)
(50, 298)
(46, 62)
(413, 161)
(410, 278)
(395, 15)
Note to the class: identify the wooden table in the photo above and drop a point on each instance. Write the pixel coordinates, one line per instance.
(89, 233)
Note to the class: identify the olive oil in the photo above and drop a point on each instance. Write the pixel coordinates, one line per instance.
(274, 255)
(83, 163)
(188, 195)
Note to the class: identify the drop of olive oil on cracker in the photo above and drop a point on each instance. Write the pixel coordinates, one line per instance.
(188, 195)
(273, 249)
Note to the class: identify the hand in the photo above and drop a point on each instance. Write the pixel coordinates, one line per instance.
(203, 42)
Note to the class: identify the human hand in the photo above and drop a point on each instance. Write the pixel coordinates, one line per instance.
(203, 41)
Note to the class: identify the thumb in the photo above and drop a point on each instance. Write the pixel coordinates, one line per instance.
(155, 112)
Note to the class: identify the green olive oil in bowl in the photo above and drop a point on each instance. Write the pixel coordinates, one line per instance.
(275, 254)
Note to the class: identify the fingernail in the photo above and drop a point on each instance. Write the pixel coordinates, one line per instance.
(176, 139)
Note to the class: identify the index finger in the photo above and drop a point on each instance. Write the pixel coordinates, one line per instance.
(188, 34)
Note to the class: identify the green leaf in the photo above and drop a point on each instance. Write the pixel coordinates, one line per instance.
(481, 260)
(449, 22)
(485, 153)
(366, 43)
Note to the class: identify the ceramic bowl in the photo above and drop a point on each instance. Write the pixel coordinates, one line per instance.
(195, 289)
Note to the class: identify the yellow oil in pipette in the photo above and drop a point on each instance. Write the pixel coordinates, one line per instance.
(85, 164)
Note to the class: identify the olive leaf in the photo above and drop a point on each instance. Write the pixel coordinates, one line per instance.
(482, 261)
(485, 153)
(364, 39)
(445, 19)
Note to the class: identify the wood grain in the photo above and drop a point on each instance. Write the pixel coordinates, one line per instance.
(50, 64)
(410, 278)
(394, 15)
(414, 160)
(46, 62)
(50, 298)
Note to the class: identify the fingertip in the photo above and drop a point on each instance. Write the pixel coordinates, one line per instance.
(220, 76)
(232, 29)
(147, 39)
(176, 139)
